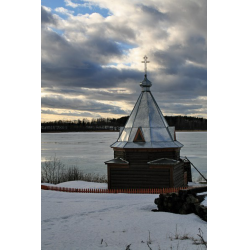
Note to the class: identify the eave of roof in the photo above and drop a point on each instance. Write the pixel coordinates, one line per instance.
(117, 161)
(163, 161)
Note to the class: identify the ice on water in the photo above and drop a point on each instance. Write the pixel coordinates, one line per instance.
(89, 150)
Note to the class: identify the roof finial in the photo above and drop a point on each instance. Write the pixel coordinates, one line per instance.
(145, 62)
(145, 84)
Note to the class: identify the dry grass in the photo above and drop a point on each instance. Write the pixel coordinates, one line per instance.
(55, 172)
(199, 241)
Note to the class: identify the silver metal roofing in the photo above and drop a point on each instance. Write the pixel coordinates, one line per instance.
(164, 161)
(147, 116)
(117, 161)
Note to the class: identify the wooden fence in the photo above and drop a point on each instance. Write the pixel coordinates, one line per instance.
(114, 191)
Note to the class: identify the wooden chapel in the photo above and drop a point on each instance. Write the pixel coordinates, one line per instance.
(146, 153)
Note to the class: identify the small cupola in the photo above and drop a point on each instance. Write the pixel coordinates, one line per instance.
(145, 84)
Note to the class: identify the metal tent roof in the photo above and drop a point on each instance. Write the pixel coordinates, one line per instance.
(147, 116)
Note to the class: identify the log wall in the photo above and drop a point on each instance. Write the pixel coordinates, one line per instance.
(178, 175)
(139, 174)
(140, 156)
(136, 177)
(187, 168)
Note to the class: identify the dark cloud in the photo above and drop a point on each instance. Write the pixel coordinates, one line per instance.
(152, 15)
(60, 102)
(88, 75)
(99, 94)
(102, 47)
(78, 65)
(172, 108)
(181, 87)
(191, 15)
(47, 17)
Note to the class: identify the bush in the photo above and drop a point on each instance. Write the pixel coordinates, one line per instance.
(55, 172)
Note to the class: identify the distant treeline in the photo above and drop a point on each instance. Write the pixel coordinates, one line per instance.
(112, 124)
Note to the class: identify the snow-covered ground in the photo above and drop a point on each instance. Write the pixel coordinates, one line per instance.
(113, 221)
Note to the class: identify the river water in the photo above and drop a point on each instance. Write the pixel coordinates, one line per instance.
(89, 150)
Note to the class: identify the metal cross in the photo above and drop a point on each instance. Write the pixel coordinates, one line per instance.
(145, 61)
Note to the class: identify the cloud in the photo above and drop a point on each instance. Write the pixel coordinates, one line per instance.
(88, 56)
(60, 102)
(46, 16)
(69, 113)
(71, 4)
(64, 11)
(77, 5)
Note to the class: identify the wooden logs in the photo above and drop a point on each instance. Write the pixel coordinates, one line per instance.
(185, 202)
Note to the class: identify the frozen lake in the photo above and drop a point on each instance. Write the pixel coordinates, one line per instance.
(89, 150)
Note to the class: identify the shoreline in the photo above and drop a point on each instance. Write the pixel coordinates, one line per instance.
(48, 132)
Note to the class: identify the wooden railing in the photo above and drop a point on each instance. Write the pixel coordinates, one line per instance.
(114, 191)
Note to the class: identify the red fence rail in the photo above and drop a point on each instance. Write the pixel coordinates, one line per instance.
(114, 191)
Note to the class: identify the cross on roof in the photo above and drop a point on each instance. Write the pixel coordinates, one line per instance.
(145, 61)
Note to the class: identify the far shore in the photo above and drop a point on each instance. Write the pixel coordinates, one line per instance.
(112, 131)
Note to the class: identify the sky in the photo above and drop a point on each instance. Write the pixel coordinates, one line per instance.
(114, 221)
(92, 53)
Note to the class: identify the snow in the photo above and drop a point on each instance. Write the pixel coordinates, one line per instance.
(79, 184)
(112, 221)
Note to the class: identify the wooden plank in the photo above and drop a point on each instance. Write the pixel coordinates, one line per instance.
(171, 178)
(115, 166)
(141, 182)
(147, 177)
(165, 175)
(150, 149)
(133, 173)
(134, 186)
(155, 180)
(109, 179)
(139, 166)
(160, 166)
